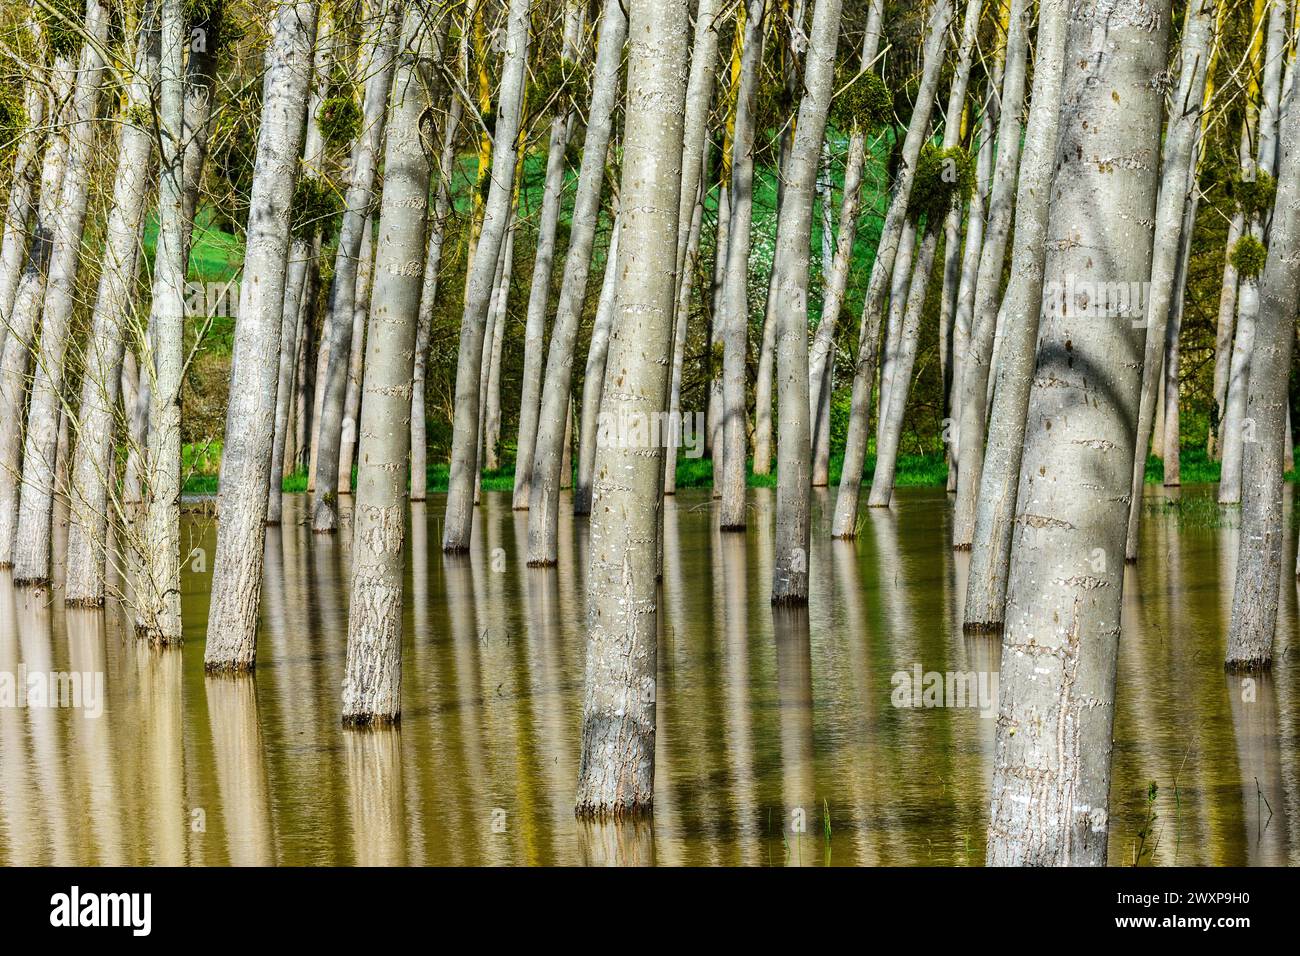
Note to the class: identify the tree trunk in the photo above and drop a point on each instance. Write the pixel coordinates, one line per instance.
(566, 457)
(304, 387)
(952, 231)
(898, 286)
(32, 542)
(93, 469)
(158, 611)
(1179, 145)
(735, 310)
(428, 302)
(539, 292)
(970, 265)
(690, 213)
(372, 682)
(465, 468)
(377, 67)
(356, 360)
(1233, 433)
(18, 209)
(680, 328)
(492, 413)
(793, 446)
(1226, 329)
(593, 382)
(821, 360)
(304, 251)
(1259, 553)
(978, 358)
(26, 312)
(845, 524)
(1275, 56)
(763, 383)
(882, 481)
(908, 300)
(1051, 780)
(986, 580)
(616, 772)
(485, 368)
(245, 460)
(544, 500)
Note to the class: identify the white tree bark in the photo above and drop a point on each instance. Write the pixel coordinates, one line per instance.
(22, 183)
(25, 315)
(976, 361)
(682, 309)
(845, 523)
(593, 382)
(986, 580)
(690, 213)
(428, 302)
(304, 249)
(539, 293)
(93, 469)
(1227, 320)
(882, 481)
(898, 286)
(356, 360)
(616, 771)
(33, 539)
(1275, 56)
(1051, 779)
(544, 494)
(378, 70)
(497, 213)
(821, 359)
(372, 681)
(734, 320)
(158, 611)
(970, 265)
(1179, 144)
(1263, 529)
(794, 465)
(245, 461)
(492, 356)
(1173, 336)
(952, 134)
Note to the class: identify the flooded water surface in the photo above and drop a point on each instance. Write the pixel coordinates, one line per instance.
(859, 731)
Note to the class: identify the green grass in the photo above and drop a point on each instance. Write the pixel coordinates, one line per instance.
(1196, 511)
(201, 464)
(215, 256)
(1194, 467)
(913, 471)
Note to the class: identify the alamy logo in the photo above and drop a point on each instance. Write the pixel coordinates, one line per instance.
(74, 908)
(966, 689)
(624, 429)
(79, 690)
(212, 299)
(1084, 298)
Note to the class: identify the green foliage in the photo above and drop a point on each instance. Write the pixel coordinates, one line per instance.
(1249, 256)
(865, 100)
(201, 11)
(942, 177)
(557, 84)
(13, 116)
(62, 25)
(316, 205)
(140, 116)
(231, 154)
(1254, 197)
(339, 117)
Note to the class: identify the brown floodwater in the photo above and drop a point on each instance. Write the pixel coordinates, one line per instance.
(779, 738)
